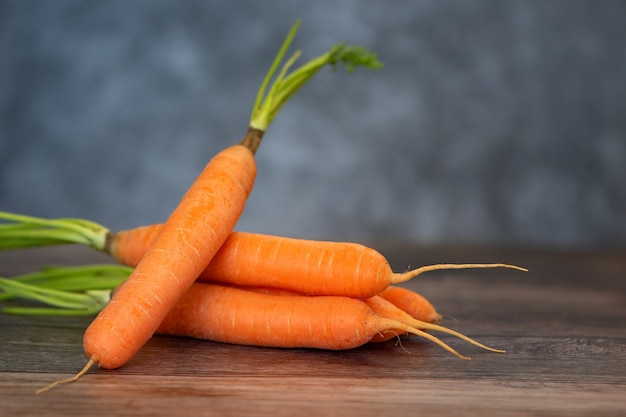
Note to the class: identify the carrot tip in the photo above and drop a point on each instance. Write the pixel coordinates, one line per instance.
(75, 378)
(406, 276)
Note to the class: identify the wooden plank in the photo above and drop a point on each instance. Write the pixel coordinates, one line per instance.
(142, 395)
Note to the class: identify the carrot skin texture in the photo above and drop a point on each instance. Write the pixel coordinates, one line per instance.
(222, 314)
(195, 231)
(129, 246)
(306, 266)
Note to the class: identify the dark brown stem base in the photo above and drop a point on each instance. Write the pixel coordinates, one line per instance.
(108, 243)
(252, 140)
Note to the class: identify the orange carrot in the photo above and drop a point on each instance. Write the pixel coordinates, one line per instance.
(234, 315)
(321, 267)
(198, 227)
(201, 222)
(377, 303)
(188, 241)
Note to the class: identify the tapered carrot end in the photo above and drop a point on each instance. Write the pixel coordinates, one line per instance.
(436, 340)
(442, 329)
(403, 277)
(67, 380)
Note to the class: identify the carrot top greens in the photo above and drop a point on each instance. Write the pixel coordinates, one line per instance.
(267, 106)
(67, 291)
(21, 231)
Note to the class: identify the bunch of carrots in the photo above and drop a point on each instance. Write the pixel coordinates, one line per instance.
(195, 276)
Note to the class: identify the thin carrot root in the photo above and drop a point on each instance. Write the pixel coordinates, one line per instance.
(390, 311)
(428, 336)
(442, 329)
(68, 380)
(406, 276)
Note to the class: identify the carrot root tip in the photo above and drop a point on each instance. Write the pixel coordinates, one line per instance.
(406, 276)
(75, 378)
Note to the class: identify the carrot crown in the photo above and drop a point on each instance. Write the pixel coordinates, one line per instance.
(267, 106)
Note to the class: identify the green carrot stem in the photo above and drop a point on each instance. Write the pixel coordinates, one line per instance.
(30, 231)
(77, 290)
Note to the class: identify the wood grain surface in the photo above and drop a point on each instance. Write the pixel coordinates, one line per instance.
(562, 324)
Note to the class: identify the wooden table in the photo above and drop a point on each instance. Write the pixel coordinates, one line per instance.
(562, 324)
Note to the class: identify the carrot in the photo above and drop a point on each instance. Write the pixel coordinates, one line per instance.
(188, 241)
(234, 315)
(193, 233)
(382, 304)
(321, 267)
(249, 259)
(200, 224)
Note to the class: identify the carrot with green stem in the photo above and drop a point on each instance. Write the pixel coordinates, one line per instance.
(200, 224)
(252, 259)
(202, 221)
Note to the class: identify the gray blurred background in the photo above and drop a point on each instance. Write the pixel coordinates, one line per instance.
(493, 122)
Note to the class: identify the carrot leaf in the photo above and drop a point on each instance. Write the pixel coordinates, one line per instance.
(74, 278)
(285, 85)
(66, 291)
(56, 298)
(23, 231)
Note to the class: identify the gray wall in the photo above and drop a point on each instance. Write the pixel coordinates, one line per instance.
(493, 122)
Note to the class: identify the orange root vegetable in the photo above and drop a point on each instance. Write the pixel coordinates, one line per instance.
(379, 305)
(204, 218)
(199, 225)
(190, 238)
(321, 267)
(224, 314)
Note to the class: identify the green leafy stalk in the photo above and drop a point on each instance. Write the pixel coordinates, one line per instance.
(29, 231)
(74, 278)
(65, 290)
(267, 106)
(43, 311)
(56, 298)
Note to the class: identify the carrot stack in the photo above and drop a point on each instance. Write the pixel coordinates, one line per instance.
(194, 276)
